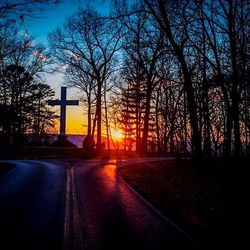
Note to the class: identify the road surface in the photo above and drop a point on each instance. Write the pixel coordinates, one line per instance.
(78, 205)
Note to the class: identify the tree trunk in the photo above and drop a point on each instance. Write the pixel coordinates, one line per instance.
(38, 120)
(207, 137)
(157, 120)
(106, 119)
(99, 118)
(236, 81)
(228, 134)
(138, 121)
(94, 125)
(235, 115)
(89, 117)
(144, 142)
(192, 108)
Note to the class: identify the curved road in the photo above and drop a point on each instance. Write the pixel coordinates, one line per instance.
(78, 205)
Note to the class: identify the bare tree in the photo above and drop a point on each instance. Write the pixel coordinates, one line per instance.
(22, 67)
(88, 44)
(144, 46)
(84, 82)
(171, 16)
(224, 31)
(17, 9)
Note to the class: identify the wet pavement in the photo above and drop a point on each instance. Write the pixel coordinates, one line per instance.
(32, 206)
(78, 205)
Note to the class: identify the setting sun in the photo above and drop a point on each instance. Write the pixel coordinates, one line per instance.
(117, 135)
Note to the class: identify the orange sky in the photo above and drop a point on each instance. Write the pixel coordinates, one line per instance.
(76, 122)
(76, 119)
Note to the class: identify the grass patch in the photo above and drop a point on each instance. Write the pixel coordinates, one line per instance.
(39, 152)
(44, 153)
(208, 199)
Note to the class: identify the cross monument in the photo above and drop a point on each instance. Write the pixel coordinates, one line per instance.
(63, 103)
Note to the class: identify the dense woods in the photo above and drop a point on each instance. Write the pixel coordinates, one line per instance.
(182, 84)
(173, 76)
(198, 99)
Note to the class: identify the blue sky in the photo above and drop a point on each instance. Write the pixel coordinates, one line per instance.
(49, 20)
(46, 23)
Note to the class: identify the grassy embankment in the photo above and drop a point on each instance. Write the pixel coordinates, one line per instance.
(63, 153)
(207, 199)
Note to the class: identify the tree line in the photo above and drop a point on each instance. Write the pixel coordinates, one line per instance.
(24, 114)
(172, 75)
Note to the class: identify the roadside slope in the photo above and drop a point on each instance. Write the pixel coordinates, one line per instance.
(206, 200)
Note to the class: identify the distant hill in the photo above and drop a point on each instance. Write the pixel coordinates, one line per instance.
(76, 139)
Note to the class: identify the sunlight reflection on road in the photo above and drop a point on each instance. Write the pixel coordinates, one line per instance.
(109, 171)
(110, 210)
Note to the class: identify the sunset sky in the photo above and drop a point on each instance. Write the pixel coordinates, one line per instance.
(40, 28)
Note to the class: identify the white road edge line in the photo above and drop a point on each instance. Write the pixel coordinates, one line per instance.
(149, 204)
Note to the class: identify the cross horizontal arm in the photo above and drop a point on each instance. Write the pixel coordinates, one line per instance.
(72, 102)
(54, 102)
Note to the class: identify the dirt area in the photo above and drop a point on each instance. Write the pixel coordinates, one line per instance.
(208, 199)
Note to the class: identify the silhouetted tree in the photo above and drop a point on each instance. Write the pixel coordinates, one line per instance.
(88, 43)
(172, 17)
(22, 66)
(144, 46)
(18, 9)
(43, 118)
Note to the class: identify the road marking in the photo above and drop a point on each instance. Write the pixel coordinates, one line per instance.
(72, 239)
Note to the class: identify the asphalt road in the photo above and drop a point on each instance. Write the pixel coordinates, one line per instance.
(78, 205)
(32, 206)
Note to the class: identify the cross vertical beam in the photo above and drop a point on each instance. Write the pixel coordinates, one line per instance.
(63, 103)
(63, 111)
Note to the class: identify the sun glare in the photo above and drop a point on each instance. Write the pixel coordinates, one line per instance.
(117, 135)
